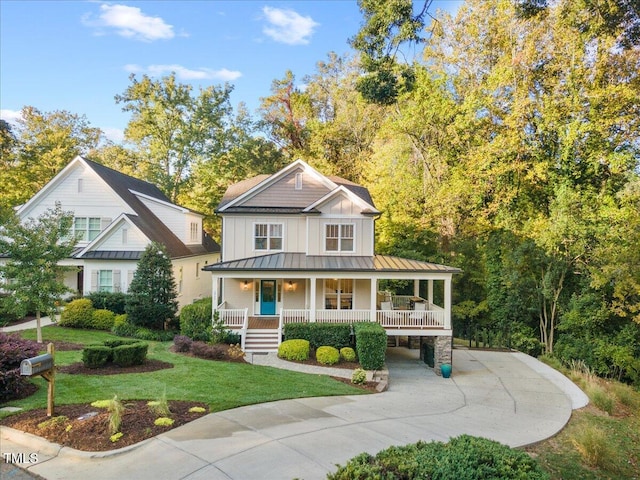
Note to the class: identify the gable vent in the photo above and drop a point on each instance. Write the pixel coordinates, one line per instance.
(298, 181)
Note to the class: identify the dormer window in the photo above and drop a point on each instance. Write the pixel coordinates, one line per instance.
(194, 231)
(299, 181)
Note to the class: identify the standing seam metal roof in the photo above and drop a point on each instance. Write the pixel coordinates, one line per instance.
(301, 262)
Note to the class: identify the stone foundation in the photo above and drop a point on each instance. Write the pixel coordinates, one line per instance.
(442, 354)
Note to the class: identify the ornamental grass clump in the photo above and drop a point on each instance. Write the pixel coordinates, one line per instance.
(116, 411)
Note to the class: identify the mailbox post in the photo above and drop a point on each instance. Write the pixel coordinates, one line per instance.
(42, 365)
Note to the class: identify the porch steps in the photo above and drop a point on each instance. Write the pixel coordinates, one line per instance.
(261, 340)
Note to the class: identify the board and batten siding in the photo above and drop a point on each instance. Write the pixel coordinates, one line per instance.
(284, 190)
(363, 235)
(238, 235)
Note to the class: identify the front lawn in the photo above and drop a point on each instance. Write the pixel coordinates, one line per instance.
(221, 385)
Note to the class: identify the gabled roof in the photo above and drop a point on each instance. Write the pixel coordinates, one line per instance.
(237, 194)
(300, 262)
(131, 190)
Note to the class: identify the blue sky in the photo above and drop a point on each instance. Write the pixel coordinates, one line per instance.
(77, 55)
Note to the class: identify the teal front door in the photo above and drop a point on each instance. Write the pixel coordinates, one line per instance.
(267, 297)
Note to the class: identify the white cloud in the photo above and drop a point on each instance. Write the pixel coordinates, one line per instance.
(184, 73)
(11, 116)
(288, 26)
(130, 22)
(116, 135)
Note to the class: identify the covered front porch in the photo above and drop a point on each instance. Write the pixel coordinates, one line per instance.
(258, 297)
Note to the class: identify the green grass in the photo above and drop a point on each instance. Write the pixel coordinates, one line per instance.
(222, 385)
(602, 440)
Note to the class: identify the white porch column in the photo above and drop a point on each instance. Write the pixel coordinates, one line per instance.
(447, 303)
(374, 298)
(416, 288)
(312, 300)
(430, 291)
(214, 291)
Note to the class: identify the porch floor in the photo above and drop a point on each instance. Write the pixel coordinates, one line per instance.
(263, 323)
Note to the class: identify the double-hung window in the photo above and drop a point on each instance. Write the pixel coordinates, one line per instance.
(86, 229)
(105, 281)
(339, 238)
(268, 236)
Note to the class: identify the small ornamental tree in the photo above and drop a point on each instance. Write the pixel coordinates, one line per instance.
(152, 293)
(35, 247)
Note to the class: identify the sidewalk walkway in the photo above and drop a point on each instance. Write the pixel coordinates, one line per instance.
(496, 395)
(44, 321)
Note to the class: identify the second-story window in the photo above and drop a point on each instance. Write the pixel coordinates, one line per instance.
(86, 229)
(339, 238)
(268, 236)
(194, 231)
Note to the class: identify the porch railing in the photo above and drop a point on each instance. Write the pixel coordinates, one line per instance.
(343, 316)
(236, 319)
(411, 318)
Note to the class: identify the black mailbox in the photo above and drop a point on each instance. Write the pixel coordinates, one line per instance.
(36, 365)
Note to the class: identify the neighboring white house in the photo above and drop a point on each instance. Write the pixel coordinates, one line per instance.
(116, 216)
(298, 246)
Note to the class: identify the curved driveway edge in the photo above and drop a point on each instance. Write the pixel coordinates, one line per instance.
(490, 394)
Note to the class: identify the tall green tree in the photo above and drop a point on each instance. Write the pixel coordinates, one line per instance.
(172, 129)
(32, 273)
(152, 295)
(44, 143)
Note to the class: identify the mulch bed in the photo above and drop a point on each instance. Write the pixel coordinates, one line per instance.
(91, 433)
(149, 365)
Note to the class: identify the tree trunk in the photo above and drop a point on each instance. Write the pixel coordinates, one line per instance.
(38, 327)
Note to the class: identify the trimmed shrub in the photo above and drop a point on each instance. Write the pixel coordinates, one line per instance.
(129, 355)
(348, 354)
(114, 301)
(195, 320)
(95, 356)
(13, 350)
(327, 355)
(182, 343)
(103, 319)
(335, 335)
(143, 333)
(464, 458)
(359, 376)
(116, 342)
(208, 351)
(296, 349)
(371, 344)
(122, 327)
(77, 314)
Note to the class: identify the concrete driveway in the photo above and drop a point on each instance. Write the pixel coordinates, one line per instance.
(508, 397)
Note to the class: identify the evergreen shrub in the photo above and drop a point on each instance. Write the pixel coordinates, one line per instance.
(371, 344)
(348, 354)
(129, 355)
(463, 458)
(208, 351)
(114, 301)
(335, 335)
(77, 314)
(295, 349)
(96, 356)
(327, 355)
(195, 320)
(103, 319)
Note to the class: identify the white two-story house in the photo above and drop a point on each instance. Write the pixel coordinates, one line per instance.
(115, 217)
(298, 246)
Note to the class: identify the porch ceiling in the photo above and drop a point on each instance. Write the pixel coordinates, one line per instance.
(299, 262)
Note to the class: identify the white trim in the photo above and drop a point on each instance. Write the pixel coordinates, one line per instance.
(339, 250)
(350, 195)
(163, 202)
(268, 224)
(107, 231)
